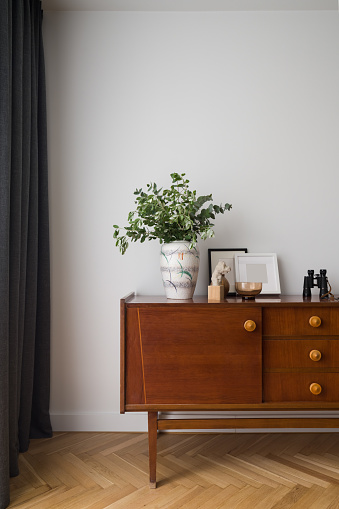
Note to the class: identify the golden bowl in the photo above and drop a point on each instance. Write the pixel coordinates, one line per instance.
(248, 290)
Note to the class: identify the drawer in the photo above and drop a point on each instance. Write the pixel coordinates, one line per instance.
(300, 353)
(297, 321)
(286, 387)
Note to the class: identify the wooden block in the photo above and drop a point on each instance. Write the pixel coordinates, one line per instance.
(216, 293)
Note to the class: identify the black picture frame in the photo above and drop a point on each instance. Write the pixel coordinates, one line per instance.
(213, 259)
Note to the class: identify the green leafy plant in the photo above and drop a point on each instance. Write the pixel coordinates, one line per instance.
(169, 215)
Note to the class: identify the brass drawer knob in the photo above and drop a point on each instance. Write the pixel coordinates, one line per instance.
(315, 388)
(315, 355)
(315, 321)
(250, 325)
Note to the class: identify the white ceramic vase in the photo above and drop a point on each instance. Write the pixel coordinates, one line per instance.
(179, 267)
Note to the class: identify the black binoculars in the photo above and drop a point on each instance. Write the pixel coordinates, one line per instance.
(312, 280)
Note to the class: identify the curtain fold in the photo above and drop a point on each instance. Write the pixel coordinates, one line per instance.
(24, 237)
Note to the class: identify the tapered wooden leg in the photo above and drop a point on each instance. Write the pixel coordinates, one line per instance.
(152, 447)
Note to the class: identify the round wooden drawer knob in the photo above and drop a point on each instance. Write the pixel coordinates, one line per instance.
(250, 325)
(315, 321)
(315, 355)
(315, 388)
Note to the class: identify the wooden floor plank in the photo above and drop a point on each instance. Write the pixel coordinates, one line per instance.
(58, 442)
(219, 475)
(198, 499)
(220, 498)
(273, 463)
(172, 495)
(272, 498)
(330, 499)
(259, 464)
(194, 493)
(182, 473)
(313, 495)
(128, 471)
(88, 471)
(246, 470)
(54, 498)
(329, 475)
(327, 461)
(108, 468)
(303, 472)
(291, 497)
(127, 444)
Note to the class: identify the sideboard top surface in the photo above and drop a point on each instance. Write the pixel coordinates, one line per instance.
(262, 301)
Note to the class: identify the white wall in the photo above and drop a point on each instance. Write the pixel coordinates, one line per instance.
(246, 104)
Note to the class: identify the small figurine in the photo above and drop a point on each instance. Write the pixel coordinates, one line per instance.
(221, 269)
(220, 286)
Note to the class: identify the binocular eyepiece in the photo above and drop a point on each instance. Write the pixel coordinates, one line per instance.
(312, 280)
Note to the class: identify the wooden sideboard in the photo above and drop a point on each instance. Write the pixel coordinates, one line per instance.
(266, 354)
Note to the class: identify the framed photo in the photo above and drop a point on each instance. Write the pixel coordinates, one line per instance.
(258, 268)
(227, 256)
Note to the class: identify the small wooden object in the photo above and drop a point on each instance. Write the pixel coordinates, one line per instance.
(216, 293)
(315, 321)
(250, 325)
(315, 388)
(315, 355)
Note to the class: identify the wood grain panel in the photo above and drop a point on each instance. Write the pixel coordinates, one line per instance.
(133, 369)
(202, 357)
(293, 353)
(234, 407)
(296, 387)
(294, 321)
(123, 303)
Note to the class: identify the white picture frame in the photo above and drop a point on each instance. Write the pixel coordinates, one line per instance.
(258, 268)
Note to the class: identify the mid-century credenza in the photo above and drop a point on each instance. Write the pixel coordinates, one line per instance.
(279, 353)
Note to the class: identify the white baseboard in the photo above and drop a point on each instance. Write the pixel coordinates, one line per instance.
(109, 421)
(137, 422)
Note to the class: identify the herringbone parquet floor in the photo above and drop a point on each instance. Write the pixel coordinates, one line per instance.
(205, 471)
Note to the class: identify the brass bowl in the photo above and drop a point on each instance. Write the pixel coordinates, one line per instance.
(248, 290)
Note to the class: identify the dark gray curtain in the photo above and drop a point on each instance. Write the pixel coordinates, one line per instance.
(24, 237)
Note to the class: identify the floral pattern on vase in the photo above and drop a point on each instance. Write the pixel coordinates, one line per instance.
(179, 265)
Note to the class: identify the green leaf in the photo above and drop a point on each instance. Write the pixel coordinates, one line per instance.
(174, 213)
